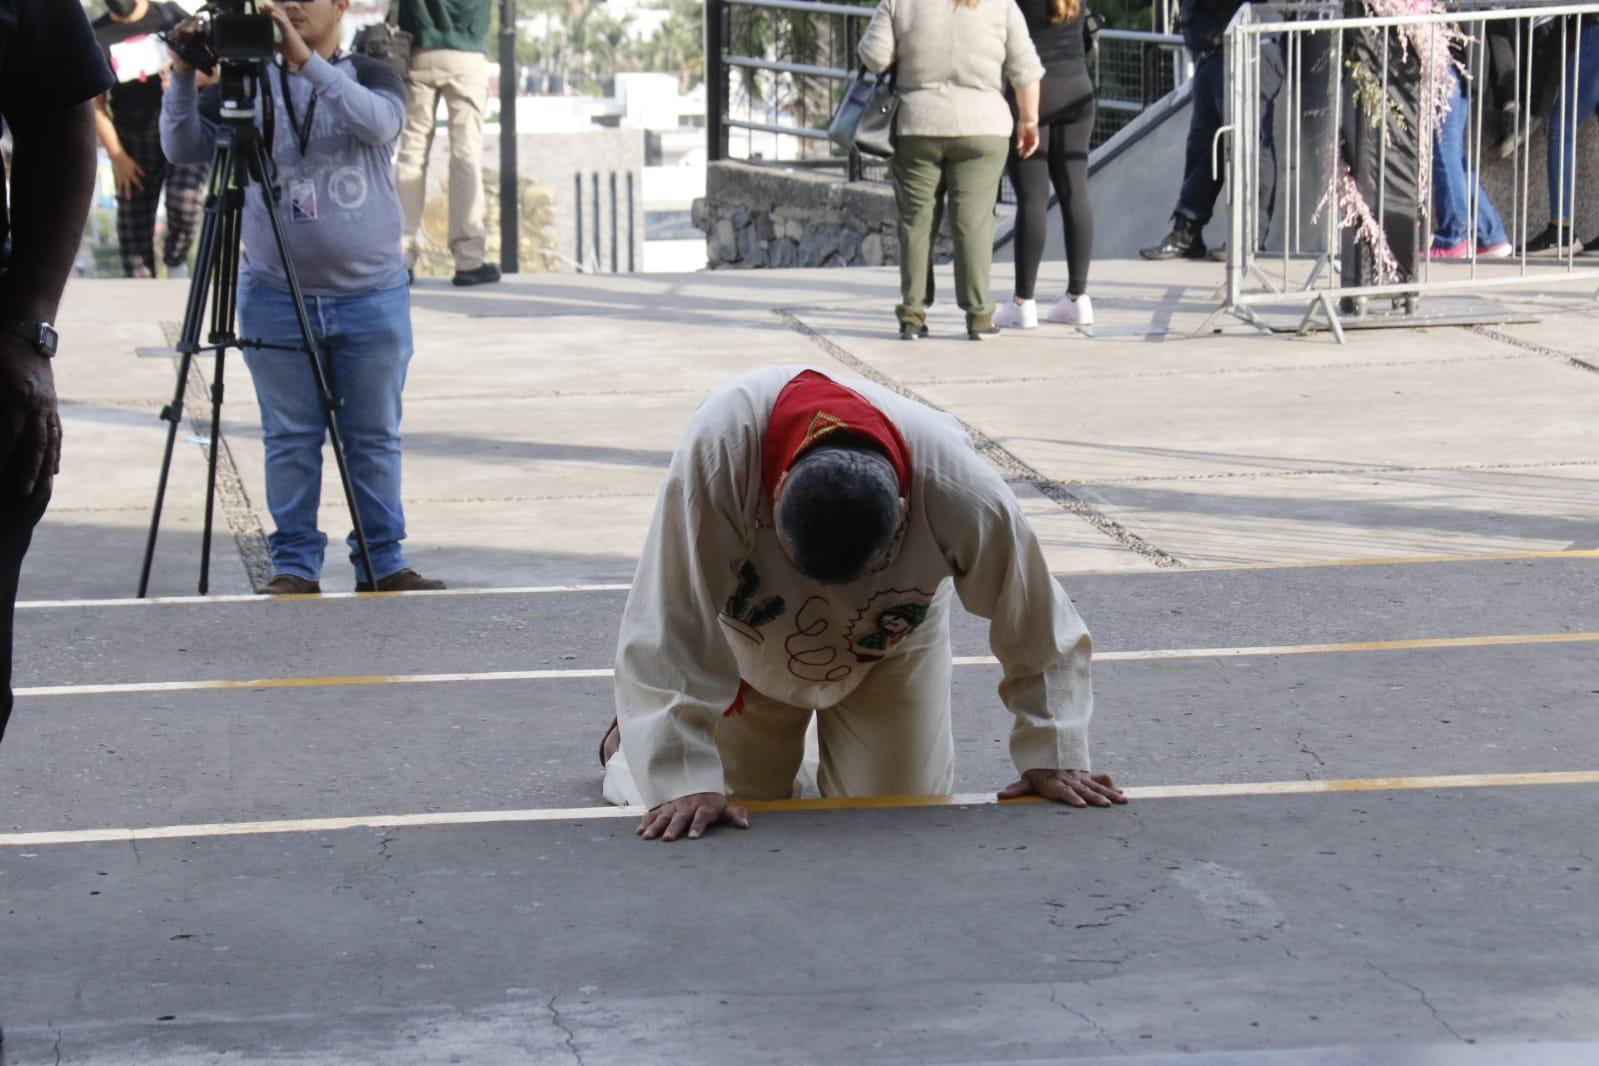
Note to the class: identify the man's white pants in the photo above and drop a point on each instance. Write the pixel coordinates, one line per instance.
(890, 737)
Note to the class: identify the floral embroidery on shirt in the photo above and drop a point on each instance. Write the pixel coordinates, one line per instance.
(744, 614)
(886, 620)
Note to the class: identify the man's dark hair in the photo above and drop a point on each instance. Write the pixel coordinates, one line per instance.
(839, 510)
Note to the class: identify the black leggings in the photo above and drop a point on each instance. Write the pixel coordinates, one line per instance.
(1066, 122)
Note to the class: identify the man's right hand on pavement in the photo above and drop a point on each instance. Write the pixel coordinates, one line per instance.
(691, 815)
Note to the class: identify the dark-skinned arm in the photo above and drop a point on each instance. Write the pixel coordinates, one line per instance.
(52, 180)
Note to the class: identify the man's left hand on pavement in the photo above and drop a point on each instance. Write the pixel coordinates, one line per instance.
(1075, 788)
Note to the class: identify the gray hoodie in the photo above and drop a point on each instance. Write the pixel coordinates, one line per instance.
(341, 215)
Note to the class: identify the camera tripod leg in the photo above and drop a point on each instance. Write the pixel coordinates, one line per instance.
(330, 403)
(172, 413)
(205, 265)
(211, 473)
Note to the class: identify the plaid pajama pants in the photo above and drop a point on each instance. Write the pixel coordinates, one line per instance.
(136, 214)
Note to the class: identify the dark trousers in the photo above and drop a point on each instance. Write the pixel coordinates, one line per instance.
(1201, 186)
(18, 516)
(1065, 127)
(136, 213)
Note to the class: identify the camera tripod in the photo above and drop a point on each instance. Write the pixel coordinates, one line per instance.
(239, 159)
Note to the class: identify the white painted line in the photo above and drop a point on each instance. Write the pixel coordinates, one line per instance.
(960, 660)
(525, 590)
(966, 799)
(310, 682)
(184, 601)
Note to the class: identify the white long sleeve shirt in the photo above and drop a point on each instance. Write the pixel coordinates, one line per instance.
(716, 601)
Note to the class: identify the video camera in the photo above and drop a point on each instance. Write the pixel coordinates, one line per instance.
(230, 31)
(239, 38)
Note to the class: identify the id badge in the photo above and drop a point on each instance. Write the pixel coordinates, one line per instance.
(302, 201)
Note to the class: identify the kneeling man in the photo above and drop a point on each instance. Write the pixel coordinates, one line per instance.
(802, 560)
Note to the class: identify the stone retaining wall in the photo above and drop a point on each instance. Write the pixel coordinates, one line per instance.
(763, 216)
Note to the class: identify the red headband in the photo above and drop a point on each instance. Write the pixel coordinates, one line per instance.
(813, 407)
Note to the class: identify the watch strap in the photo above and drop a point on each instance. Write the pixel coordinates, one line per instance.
(41, 336)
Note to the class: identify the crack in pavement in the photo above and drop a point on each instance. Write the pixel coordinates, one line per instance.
(1304, 749)
(51, 1025)
(1331, 471)
(1425, 1002)
(995, 452)
(1536, 348)
(1224, 371)
(571, 1037)
(1099, 1030)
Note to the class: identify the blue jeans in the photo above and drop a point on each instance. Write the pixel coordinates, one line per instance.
(1584, 64)
(1452, 185)
(365, 341)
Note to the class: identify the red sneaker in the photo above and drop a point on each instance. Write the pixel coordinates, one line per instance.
(1452, 251)
(1502, 250)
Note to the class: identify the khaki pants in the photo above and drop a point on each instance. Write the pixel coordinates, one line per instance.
(969, 168)
(461, 78)
(890, 737)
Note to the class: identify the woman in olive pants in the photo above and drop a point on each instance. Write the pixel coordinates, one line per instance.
(954, 127)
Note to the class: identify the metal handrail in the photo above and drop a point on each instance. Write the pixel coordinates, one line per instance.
(716, 32)
(751, 63)
(850, 10)
(805, 132)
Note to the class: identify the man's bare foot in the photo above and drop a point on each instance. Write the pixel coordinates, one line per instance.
(610, 741)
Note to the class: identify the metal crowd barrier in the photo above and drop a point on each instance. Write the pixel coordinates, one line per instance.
(1336, 71)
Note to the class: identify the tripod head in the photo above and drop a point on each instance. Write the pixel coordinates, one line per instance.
(236, 36)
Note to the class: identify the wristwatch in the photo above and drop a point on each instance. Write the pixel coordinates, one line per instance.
(42, 336)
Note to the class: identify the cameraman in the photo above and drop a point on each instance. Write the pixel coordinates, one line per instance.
(127, 118)
(337, 116)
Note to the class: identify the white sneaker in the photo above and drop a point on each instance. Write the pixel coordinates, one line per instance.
(1013, 315)
(1070, 312)
(178, 272)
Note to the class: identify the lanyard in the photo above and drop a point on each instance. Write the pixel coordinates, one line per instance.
(302, 131)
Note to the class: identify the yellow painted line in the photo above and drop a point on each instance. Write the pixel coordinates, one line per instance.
(528, 590)
(959, 660)
(1251, 788)
(1387, 560)
(968, 799)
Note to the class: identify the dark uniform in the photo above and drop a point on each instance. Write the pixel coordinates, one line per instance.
(48, 61)
(1202, 23)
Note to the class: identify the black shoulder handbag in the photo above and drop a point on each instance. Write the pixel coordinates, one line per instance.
(865, 119)
(1093, 22)
(386, 41)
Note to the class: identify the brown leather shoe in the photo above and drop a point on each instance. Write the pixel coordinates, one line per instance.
(406, 580)
(289, 585)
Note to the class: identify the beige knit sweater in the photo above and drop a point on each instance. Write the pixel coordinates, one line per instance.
(953, 62)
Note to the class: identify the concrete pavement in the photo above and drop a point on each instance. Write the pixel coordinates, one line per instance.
(1368, 569)
(540, 416)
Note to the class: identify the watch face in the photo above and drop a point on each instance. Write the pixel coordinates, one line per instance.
(48, 339)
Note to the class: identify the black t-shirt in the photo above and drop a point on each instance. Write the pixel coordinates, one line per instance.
(48, 60)
(136, 97)
(1058, 43)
